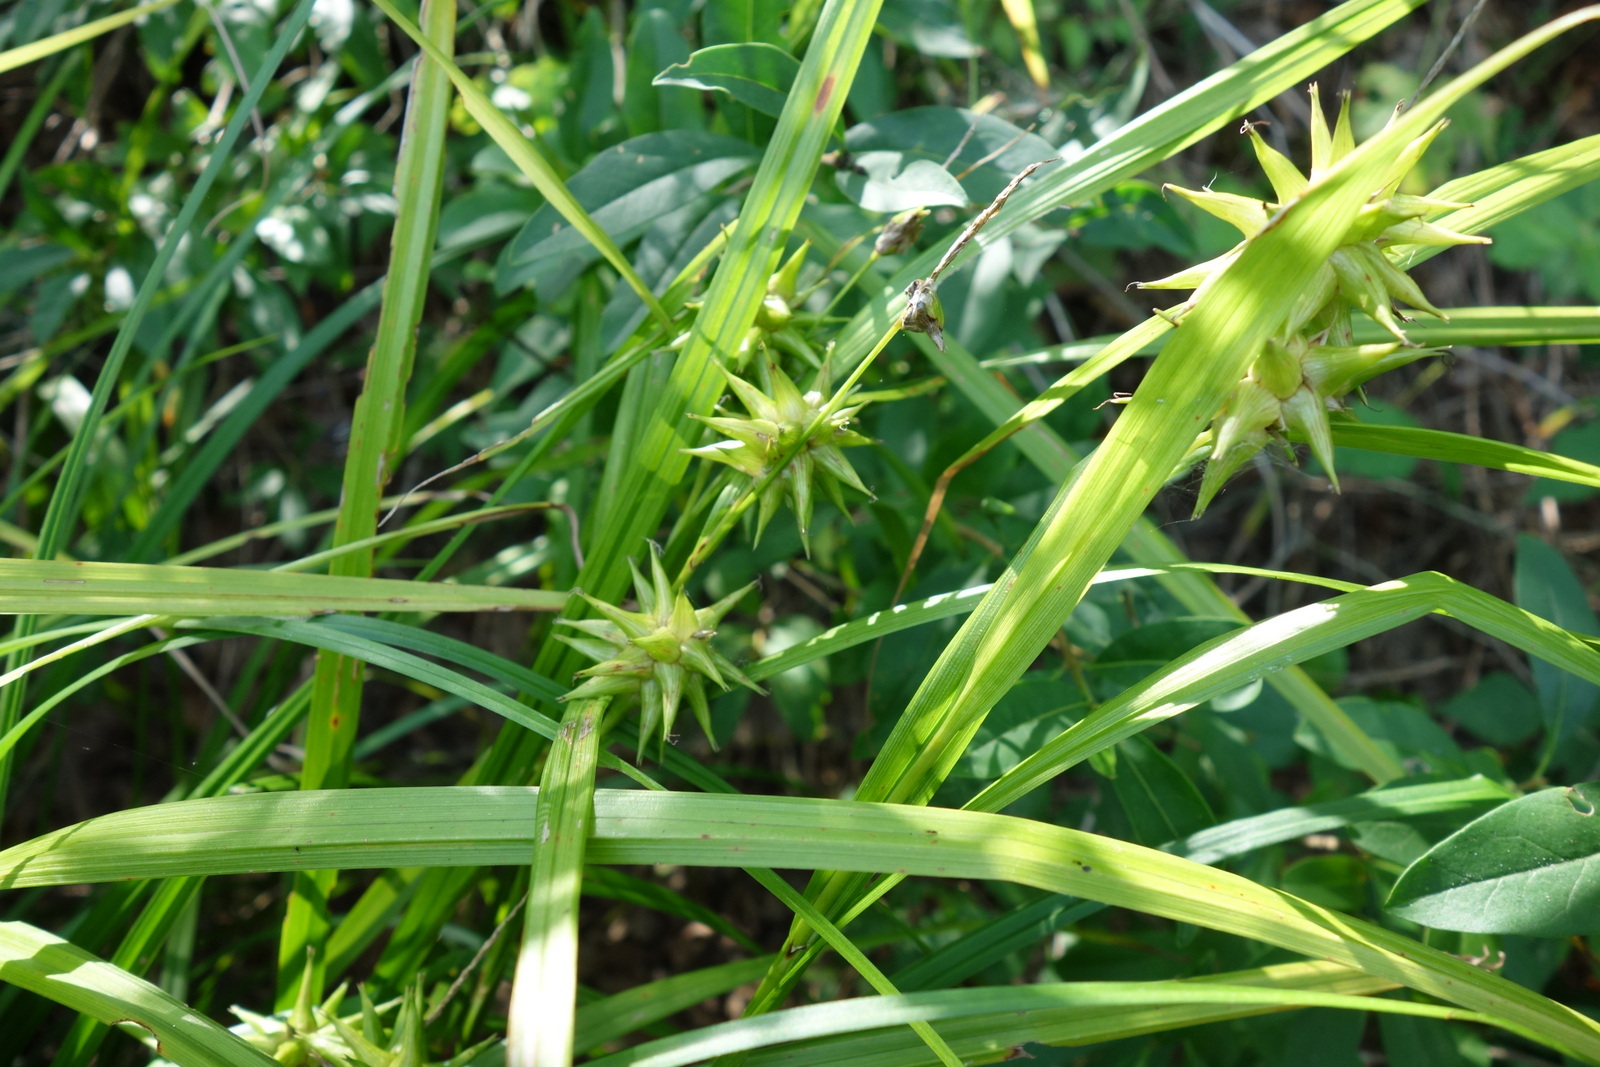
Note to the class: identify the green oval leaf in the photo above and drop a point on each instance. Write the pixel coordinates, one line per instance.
(1546, 586)
(624, 189)
(756, 74)
(1528, 867)
(887, 181)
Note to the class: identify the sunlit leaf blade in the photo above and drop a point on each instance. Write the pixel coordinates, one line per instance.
(22, 55)
(486, 826)
(51, 587)
(1228, 662)
(45, 964)
(1486, 326)
(981, 1037)
(1012, 1016)
(544, 992)
(1463, 448)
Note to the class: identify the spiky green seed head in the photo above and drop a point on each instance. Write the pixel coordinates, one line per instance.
(1309, 363)
(783, 421)
(660, 654)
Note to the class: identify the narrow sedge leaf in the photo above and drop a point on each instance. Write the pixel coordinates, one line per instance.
(1226, 663)
(485, 826)
(61, 516)
(58, 970)
(544, 993)
(53, 587)
(994, 1039)
(34, 51)
(1011, 1015)
(375, 428)
(1463, 448)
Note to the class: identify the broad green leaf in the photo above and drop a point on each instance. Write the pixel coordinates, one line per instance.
(756, 74)
(1527, 867)
(733, 21)
(43, 963)
(930, 27)
(1161, 803)
(1038, 707)
(22, 265)
(654, 44)
(1499, 709)
(51, 587)
(1546, 586)
(488, 826)
(624, 189)
(886, 181)
(987, 151)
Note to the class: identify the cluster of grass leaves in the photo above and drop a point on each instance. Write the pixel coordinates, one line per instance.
(335, 250)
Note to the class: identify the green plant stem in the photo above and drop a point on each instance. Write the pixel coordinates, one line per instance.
(544, 993)
(374, 441)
